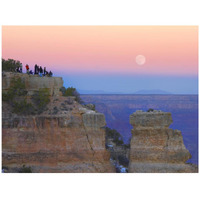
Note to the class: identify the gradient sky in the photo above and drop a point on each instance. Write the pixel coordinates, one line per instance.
(103, 57)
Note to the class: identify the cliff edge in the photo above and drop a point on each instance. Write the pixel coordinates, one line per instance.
(155, 147)
(65, 137)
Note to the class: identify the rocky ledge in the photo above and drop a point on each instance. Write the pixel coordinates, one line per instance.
(65, 137)
(155, 147)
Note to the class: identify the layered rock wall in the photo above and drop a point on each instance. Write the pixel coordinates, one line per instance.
(155, 147)
(72, 139)
(33, 82)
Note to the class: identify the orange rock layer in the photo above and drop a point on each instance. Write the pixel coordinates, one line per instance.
(72, 139)
(156, 148)
(46, 145)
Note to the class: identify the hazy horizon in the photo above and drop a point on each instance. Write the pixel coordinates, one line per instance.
(131, 84)
(122, 59)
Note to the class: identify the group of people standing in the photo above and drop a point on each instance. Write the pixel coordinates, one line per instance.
(19, 69)
(39, 70)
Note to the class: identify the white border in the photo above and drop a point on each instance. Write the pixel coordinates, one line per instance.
(99, 186)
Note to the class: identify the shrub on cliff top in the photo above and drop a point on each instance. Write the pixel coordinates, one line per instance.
(114, 135)
(150, 110)
(20, 105)
(70, 91)
(10, 65)
(90, 106)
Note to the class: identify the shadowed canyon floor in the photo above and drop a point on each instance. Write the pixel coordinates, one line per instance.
(184, 109)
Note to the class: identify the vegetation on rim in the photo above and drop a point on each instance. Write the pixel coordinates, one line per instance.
(10, 65)
(16, 98)
(70, 91)
(113, 134)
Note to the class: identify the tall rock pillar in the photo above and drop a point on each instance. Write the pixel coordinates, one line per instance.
(154, 146)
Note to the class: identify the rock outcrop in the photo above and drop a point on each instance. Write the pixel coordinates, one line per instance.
(66, 137)
(156, 148)
(34, 82)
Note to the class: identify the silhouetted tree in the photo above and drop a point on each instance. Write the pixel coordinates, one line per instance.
(115, 135)
(70, 91)
(150, 110)
(10, 65)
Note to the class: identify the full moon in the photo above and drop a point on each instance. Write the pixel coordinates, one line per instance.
(140, 59)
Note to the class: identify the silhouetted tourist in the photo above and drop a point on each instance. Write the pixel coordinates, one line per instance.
(27, 69)
(36, 69)
(17, 69)
(45, 71)
(20, 69)
(41, 71)
(50, 74)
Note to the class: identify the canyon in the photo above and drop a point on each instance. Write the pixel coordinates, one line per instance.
(183, 108)
(69, 137)
(65, 137)
(154, 147)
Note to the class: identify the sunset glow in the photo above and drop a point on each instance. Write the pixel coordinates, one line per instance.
(170, 50)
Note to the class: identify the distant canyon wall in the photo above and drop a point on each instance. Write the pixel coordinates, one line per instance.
(184, 110)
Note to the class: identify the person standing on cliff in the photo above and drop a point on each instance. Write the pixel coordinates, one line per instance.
(36, 69)
(27, 69)
(45, 71)
(41, 71)
(20, 69)
(50, 74)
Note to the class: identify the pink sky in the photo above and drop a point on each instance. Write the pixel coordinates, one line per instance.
(169, 50)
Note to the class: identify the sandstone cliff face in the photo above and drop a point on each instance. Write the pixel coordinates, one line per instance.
(34, 82)
(64, 138)
(156, 148)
